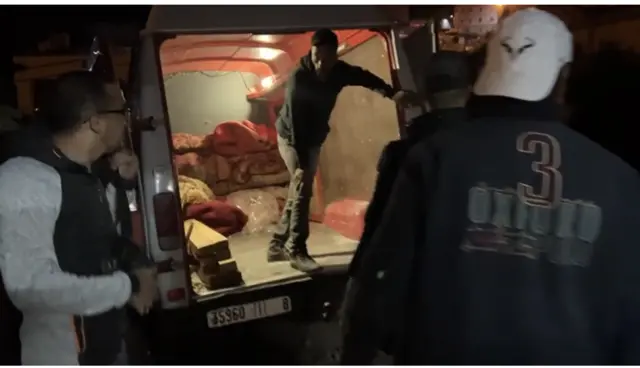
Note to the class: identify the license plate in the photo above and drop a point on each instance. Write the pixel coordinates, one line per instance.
(248, 312)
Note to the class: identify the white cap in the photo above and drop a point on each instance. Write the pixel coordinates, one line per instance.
(525, 55)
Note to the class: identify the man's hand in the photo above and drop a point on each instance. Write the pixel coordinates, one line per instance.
(126, 163)
(141, 305)
(143, 300)
(406, 98)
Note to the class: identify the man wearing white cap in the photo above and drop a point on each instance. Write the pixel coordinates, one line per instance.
(512, 240)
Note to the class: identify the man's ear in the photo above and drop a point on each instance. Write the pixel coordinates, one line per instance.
(95, 124)
(560, 89)
(565, 71)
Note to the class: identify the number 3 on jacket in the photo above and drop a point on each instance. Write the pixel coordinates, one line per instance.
(548, 189)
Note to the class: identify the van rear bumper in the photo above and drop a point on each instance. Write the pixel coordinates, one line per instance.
(179, 335)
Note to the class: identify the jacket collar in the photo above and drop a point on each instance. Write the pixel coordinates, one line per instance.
(505, 107)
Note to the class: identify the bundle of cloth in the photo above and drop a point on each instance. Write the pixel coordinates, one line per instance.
(235, 156)
(236, 138)
(233, 178)
(201, 204)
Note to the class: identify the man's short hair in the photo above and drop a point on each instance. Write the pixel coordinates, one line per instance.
(324, 37)
(446, 71)
(75, 97)
(525, 56)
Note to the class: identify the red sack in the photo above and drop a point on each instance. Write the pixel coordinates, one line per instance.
(234, 138)
(224, 218)
(346, 217)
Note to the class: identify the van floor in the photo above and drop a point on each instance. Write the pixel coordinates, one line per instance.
(330, 249)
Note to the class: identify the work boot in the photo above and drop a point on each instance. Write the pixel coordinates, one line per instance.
(276, 253)
(302, 261)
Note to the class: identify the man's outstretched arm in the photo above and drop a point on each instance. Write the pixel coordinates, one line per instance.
(356, 76)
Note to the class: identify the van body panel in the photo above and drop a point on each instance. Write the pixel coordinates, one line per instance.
(271, 18)
(156, 172)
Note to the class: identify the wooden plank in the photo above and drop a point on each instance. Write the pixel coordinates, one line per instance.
(329, 248)
(204, 242)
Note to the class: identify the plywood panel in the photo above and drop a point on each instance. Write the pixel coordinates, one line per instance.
(362, 123)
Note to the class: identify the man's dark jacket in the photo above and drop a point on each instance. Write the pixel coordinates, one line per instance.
(391, 159)
(510, 241)
(389, 164)
(304, 117)
(82, 221)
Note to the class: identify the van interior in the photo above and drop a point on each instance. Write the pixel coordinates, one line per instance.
(223, 94)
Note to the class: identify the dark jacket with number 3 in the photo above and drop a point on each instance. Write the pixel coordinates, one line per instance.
(510, 241)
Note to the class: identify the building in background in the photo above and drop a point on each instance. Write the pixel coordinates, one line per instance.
(34, 79)
(56, 55)
(593, 26)
(469, 25)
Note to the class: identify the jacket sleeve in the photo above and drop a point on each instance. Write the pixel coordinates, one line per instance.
(30, 200)
(627, 281)
(292, 99)
(386, 268)
(356, 76)
(381, 192)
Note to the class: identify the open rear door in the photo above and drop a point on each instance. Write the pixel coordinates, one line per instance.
(100, 61)
(413, 44)
(145, 117)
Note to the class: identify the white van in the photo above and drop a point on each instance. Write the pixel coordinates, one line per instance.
(198, 67)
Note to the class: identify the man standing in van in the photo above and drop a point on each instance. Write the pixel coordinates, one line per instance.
(303, 126)
(61, 257)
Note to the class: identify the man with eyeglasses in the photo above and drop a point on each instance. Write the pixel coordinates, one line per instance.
(63, 263)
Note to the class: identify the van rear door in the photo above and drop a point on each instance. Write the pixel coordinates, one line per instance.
(413, 45)
(146, 121)
(160, 204)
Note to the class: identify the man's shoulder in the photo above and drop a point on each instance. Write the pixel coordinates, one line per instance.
(299, 72)
(394, 145)
(395, 148)
(579, 148)
(18, 168)
(24, 179)
(299, 77)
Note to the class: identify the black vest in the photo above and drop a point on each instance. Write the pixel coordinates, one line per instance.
(84, 239)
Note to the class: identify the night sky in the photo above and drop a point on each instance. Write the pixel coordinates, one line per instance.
(24, 26)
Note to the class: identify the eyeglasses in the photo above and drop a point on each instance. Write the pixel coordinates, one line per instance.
(123, 111)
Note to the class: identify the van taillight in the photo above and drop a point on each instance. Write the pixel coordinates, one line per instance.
(167, 216)
(176, 295)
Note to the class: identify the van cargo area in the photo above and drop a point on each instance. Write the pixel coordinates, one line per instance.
(223, 94)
